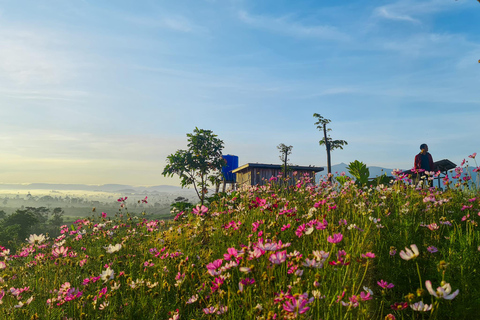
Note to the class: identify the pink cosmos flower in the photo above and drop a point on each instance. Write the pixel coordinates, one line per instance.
(200, 210)
(256, 253)
(286, 226)
(313, 263)
(300, 230)
(231, 252)
(365, 296)
(213, 266)
(337, 237)
(60, 251)
(209, 310)
(222, 310)
(370, 255)
(298, 304)
(278, 257)
(321, 225)
(104, 215)
(473, 155)
(385, 284)
(192, 299)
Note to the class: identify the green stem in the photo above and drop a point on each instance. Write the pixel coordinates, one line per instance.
(419, 276)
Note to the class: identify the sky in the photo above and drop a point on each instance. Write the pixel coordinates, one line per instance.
(99, 92)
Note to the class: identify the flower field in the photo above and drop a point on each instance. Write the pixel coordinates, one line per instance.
(304, 251)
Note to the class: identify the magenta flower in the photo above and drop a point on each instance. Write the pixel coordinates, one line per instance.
(286, 226)
(364, 296)
(385, 284)
(337, 237)
(231, 252)
(298, 304)
(104, 215)
(213, 266)
(300, 230)
(473, 155)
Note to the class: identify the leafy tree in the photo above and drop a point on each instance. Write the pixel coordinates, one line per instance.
(181, 204)
(285, 151)
(24, 219)
(57, 217)
(40, 213)
(200, 165)
(327, 141)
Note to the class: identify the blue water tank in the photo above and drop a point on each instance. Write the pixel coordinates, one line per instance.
(232, 164)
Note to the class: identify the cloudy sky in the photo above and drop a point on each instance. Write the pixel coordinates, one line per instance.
(101, 92)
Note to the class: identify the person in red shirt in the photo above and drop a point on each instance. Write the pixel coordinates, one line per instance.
(424, 161)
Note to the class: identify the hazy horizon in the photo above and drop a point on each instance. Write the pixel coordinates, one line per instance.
(101, 93)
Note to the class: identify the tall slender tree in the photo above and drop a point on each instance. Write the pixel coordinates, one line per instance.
(285, 151)
(327, 141)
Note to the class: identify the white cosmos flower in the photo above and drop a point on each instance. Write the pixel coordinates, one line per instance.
(112, 249)
(409, 254)
(442, 292)
(107, 274)
(420, 306)
(34, 239)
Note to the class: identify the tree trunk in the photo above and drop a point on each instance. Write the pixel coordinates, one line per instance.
(327, 146)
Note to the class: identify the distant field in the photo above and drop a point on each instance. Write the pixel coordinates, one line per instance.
(80, 203)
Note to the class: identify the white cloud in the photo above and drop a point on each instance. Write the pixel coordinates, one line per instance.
(385, 13)
(32, 57)
(413, 11)
(284, 25)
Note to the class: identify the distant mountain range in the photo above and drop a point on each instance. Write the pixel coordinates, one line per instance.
(114, 188)
(123, 188)
(342, 167)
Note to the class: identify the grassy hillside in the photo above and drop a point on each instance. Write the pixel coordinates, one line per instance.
(306, 251)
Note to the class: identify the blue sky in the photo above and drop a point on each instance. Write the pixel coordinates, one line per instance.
(101, 92)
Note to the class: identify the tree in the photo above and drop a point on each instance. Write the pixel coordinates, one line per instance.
(329, 144)
(200, 165)
(285, 151)
(24, 219)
